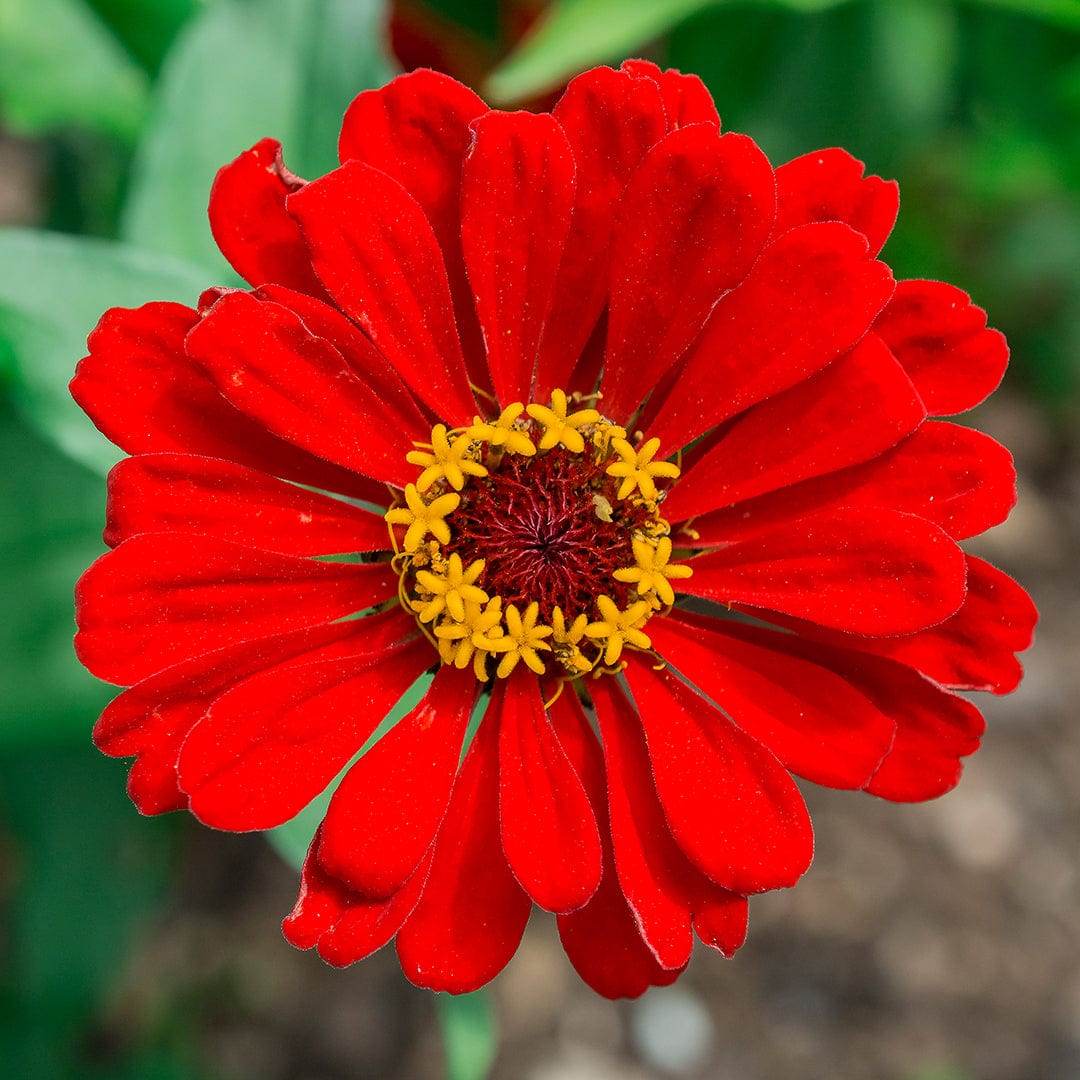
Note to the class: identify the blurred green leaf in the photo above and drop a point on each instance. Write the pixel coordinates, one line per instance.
(53, 537)
(292, 840)
(573, 35)
(53, 290)
(915, 46)
(60, 66)
(479, 16)
(470, 1038)
(147, 27)
(1060, 12)
(576, 34)
(243, 70)
(82, 873)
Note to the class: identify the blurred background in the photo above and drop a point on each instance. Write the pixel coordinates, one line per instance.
(932, 942)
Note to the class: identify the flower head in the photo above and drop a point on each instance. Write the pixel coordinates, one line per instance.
(627, 438)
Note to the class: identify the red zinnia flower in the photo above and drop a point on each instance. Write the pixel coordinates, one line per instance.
(650, 428)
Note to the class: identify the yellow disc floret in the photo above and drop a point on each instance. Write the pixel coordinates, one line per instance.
(560, 428)
(458, 641)
(638, 468)
(522, 641)
(652, 572)
(449, 460)
(450, 590)
(617, 629)
(507, 433)
(423, 517)
(566, 642)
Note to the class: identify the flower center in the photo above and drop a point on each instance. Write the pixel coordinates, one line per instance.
(546, 529)
(535, 537)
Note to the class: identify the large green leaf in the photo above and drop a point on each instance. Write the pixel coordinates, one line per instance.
(53, 290)
(244, 70)
(60, 66)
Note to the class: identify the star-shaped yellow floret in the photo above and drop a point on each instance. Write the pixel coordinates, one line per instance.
(450, 589)
(422, 517)
(619, 628)
(638, 468)
(565, 642)
(652, 573)
(502, 432)
(522, 641)
(457, 640)
(448, 460)
(560, 428)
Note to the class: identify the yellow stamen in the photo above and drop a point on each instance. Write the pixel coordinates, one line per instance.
(448, 460)
(456, 639)
(522, 641)
(619, 628)
(505, 433)
(560, 428)
(450, 591)
(423, 518)
(638, 469)
(652, 573)
(565, 641)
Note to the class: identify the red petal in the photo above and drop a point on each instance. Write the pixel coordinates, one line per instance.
(809, 298)
(686, 98)
(346, 926)
(416, 129)
(828, 185)
(610, 120)
(692, 221)
(517, 195)
(146, 396)
(472, 913)
(272, 743)
(958, 479)
(549, 832)
(265, 362)
(813, 721)
(660, 885)
(942, 340)
(365, 927)
(387, 809)
(934, 728)
(602, 939)
(375, 250)
(865, 571)
(250, 225)
(200, 496)
(356, 349)
(721, 923)
(852, 411)
(974, 649)
(321, 902)
(163, 598)
(153, 718)
(731, 806)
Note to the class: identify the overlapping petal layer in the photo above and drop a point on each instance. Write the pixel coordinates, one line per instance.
(652, 290)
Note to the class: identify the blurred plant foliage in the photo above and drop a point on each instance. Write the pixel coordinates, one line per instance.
(133, 104)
